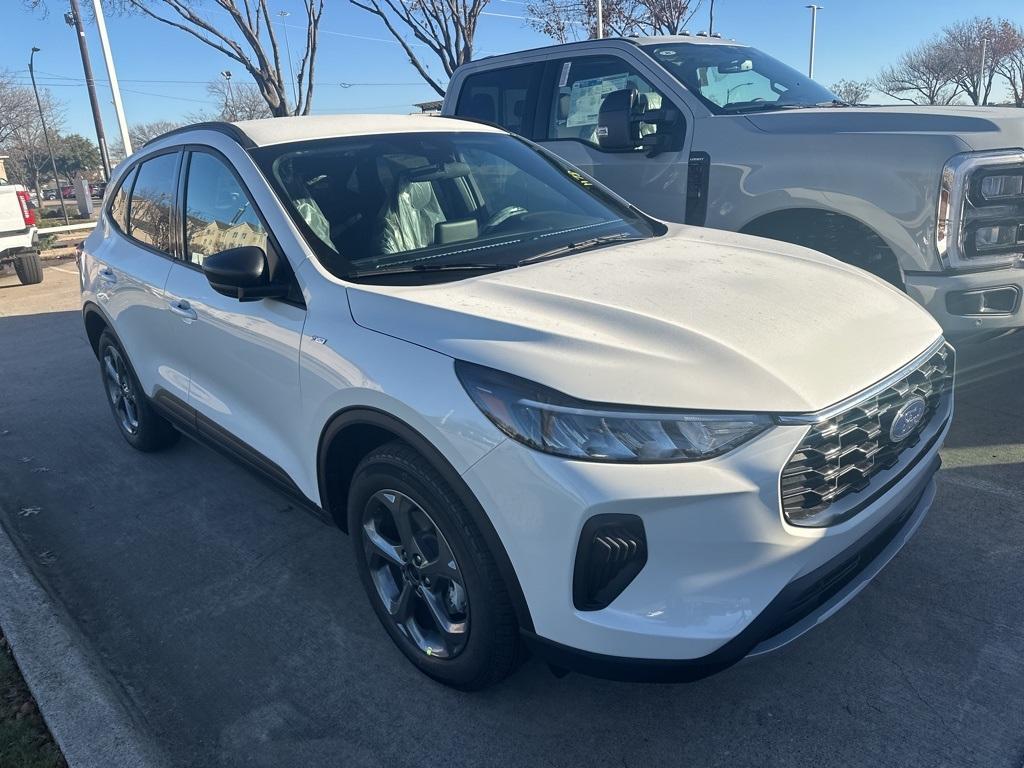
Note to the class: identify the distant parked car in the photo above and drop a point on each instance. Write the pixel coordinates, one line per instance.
(68, 192)
(97, 189)
(647, 450)
(49, 194)
(18, 234)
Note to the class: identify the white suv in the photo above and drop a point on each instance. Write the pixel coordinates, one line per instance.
(645, 451)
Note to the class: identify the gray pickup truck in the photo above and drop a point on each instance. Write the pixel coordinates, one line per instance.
(715, 133)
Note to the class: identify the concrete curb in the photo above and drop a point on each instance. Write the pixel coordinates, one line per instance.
(89, 722)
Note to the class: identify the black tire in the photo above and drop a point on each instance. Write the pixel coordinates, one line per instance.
(492, 649)
(29, 268)
(140, 425)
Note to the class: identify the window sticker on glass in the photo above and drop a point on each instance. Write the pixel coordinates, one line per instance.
(564, 79)
(586, 97)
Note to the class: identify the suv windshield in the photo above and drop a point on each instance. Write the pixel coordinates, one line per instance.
(452, 202)
(733, 78)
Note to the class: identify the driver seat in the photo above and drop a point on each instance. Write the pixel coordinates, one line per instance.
(408, 223)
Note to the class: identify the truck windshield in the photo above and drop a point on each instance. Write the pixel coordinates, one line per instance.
(733, 79)
(423, 204)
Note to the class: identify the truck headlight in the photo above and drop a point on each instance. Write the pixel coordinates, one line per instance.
(549, 421)
(980, 219)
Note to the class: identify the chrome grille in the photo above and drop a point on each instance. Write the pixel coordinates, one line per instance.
(840, 455)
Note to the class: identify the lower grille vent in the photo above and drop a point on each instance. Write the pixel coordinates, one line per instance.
(611, 552)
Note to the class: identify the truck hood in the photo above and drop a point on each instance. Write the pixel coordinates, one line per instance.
(979, 127)
(693, 319)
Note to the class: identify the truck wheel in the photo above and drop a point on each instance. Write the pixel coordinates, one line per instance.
(29, 268)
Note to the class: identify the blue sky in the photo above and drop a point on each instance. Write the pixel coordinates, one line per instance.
(855, 39)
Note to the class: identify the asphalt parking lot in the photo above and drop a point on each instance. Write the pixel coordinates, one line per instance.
(234, 630)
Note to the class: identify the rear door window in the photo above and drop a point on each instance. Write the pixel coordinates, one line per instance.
(151, 208)
(505, 97)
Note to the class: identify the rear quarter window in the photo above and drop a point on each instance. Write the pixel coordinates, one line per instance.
(118, 208)
(505, 97)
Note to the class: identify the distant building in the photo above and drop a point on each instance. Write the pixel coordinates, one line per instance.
(429, 107)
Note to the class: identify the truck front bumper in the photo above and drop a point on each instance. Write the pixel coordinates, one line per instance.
(967, 303)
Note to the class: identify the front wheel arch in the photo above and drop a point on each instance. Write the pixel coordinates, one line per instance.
(834, 234)
(353, 433)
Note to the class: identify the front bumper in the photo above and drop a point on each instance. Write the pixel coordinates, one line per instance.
(941, 293)
(801, 605)
(721, 558)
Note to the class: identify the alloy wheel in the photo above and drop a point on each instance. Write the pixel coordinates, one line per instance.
(416, 575)
(120, 390)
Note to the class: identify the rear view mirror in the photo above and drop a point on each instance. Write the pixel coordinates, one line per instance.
(618, 120)
(242, 273)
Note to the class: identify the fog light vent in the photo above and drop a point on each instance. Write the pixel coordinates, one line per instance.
(611, 552)
(984, 301)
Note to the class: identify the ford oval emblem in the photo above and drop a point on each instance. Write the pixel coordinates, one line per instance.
(907, 418)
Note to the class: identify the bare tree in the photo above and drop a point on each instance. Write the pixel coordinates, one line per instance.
(25, 144)
(852, 91)
(140, 133)
(924, 75)
(565, 20)
(242, 31)
(17, 106)
(1011, 65)
(241, 101)
(963, 44)
(445, 27)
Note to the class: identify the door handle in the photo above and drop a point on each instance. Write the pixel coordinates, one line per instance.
(183, 309)
(107, 275)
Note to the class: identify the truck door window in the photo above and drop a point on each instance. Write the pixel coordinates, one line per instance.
(505, 97)
(582, 85)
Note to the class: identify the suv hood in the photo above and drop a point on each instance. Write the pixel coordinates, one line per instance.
(979, 127)
(694, 319)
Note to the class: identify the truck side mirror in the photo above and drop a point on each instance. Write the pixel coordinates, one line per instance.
(618, 120)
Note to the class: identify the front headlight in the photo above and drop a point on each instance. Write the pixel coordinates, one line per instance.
(980, 220)
(551, 422)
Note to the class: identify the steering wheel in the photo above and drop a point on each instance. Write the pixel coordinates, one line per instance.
(506, 213)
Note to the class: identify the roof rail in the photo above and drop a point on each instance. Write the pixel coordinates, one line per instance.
(230, 130)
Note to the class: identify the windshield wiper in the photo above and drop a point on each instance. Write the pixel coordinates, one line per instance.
(582, 245)
(418, 268)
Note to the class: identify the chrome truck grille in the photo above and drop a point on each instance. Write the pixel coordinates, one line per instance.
(843, 453)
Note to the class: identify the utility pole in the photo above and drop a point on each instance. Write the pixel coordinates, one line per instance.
(981, 76)
(288, 50)
(711, 19)
(600, 20)
(46, 135)
(74, 19)
(814, 34)
(115, 89)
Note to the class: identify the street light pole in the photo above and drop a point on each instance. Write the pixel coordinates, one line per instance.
(115, 89)
(600, 20)
(288, 50)
(230, 104)
(90, 84)
(46, 134)
(814, 34)
(981, 76)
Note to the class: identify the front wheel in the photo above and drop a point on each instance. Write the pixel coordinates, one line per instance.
(430, 577)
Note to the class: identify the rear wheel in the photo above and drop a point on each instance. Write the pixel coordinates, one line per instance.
(29, 268)
(430, 577)
(135, 417)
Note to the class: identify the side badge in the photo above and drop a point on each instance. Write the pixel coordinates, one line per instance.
(319, 339)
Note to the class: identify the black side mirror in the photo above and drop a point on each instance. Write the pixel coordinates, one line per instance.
(618, 120)
(242, 273)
